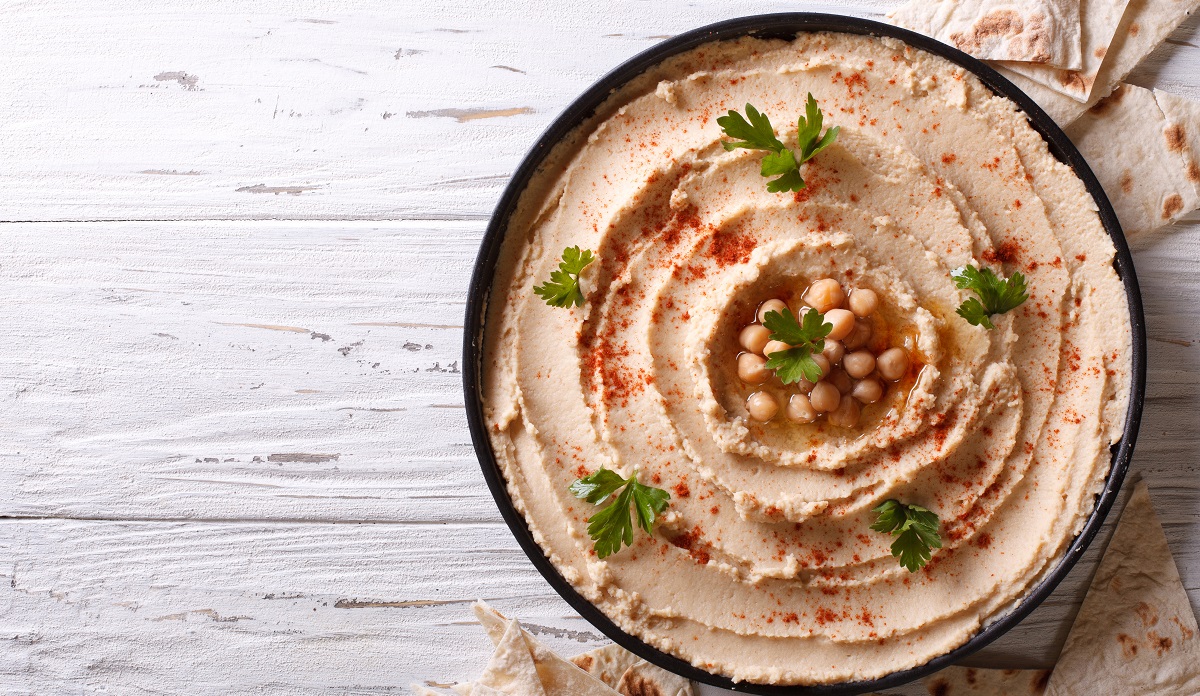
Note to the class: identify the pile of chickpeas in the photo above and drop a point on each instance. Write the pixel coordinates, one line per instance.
(851, 374)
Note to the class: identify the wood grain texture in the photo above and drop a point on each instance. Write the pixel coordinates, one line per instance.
(315, 110)
(233, 452)
(266, 370)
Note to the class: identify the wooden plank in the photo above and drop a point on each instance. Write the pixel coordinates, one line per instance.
(208, 608)
(300, 109)
(210, 370)
(213, 111)
(161, 608)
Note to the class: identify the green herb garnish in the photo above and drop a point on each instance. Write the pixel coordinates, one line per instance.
(562, 290)
(915, 529)
(613, 524)
(806, 339)
(996, 295)
(757, 134)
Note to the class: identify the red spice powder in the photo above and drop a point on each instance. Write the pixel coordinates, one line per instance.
(693, 542)
(681, 489)
(729, 248)
(856, 85)
(1007, 252)
(812, 184)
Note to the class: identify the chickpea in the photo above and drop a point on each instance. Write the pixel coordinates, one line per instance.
(841, 380)
(752, 368)
(825, 397)
(868, 391)
(892, 363)
(770, 306)
(754, 337)
(846, 414)
(800, 410)
(822, 362)
(864, 302)
(859, 364)
(774, 347)
(762, 406)
(824, 295)
(859, 336)
(834, 352)
(842, 321)
(805, 386)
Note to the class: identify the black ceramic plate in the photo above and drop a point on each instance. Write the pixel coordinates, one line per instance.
(786, 26)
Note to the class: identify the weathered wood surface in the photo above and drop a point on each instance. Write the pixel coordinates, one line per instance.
(233, 453)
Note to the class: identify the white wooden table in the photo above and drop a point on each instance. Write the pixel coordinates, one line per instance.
(234, 248)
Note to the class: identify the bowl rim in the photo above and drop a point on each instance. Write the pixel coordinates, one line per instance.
(787, 26)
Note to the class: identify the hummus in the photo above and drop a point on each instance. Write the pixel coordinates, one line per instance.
(764, 567)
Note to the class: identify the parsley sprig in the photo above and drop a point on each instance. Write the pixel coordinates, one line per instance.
(805, 338)
(613, 524)
(996, 295)
(757, 134)
(562, 290)
(915, 529)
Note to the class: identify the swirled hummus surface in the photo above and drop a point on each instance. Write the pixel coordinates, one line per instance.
(764, 567)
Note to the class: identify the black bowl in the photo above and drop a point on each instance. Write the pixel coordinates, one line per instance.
(786, 26)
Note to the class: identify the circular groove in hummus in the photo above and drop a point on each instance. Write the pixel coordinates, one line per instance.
(764, 568)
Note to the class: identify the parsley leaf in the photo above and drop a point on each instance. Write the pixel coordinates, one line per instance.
(562, 290)
(784, 327)
(756, 133)
(806, 338)
(996, 295)
(915, 529)
(598, 486)
(613, 525)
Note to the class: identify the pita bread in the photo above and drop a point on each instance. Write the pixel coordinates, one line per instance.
(511, 669)
(1099, 20)
(629, 674)
(972, 681)
(1038, 31)
(607, 664)
(1145, 24)
(1135, 633)
(558, 676)
(1182, 133)
(645, 679)
(1139, 157)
